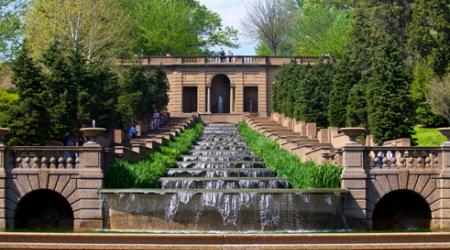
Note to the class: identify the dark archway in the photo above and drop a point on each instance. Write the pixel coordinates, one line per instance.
(220, 89)
(44, 209)
(401, 209)
(251, 99)
(189, 99)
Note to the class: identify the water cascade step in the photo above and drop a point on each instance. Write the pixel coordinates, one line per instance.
(222, 186)
(226, 168)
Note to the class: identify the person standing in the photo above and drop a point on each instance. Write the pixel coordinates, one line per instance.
(67, 141)
(156, 117)
(380, 153)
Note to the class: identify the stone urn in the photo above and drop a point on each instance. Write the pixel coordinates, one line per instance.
(3, 132)
(92, 133)
(445, 132)
(353, 133)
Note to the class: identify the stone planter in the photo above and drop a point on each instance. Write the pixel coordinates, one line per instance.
(445, 132)
(353, 133)
(3, 132)
(92, 133)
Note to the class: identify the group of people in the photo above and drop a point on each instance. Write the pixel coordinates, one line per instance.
(67, 141)
(325, 54)
(157, 124)
(389, 155)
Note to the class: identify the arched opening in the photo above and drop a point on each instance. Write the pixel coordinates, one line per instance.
(401, 209)
(44, 209)
(220, 94)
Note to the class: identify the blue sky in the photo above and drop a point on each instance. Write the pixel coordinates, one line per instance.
(231, 11)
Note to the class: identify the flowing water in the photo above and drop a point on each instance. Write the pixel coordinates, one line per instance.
(221, 186)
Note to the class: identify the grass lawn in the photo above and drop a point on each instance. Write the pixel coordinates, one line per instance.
(428, 136)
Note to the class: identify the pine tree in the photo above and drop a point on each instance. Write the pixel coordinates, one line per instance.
(391, 109)
(356, 115)
(347, 74)
(28, 119)
(160, 88)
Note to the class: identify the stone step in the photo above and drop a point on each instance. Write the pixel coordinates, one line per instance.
(220, 164)
(221, 128)
(220, 172)
(222, 182)
(220, 152)
(221, 147)
(225, 158)
(206, 143)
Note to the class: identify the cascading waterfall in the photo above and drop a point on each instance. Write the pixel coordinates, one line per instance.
(251, 106)
(222, 186)
(220, 108)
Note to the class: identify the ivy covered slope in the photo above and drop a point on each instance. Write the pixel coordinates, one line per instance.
(299, 174)
(145, 173)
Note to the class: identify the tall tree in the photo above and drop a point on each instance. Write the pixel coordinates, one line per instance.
(391, 109)
(100, 27)
(177, 27)
(269, 21)
(11, 12)
(347, 74)
(160, 88)
(28, 118)
(438, 97)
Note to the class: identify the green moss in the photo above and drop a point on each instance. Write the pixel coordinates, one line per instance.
(145, 173)
(428, 137)
(299, 174)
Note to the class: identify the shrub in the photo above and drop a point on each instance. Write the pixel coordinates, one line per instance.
(145, 173)
(300, 175)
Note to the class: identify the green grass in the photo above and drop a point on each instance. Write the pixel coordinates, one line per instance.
(428, 137)
(145, 173)
(299, 174)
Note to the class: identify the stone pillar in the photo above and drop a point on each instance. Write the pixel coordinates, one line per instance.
(441, 217)
(311, 130)
(208, 99)
(3, 186)
(231, 99)
(354, 178)
(90, 178)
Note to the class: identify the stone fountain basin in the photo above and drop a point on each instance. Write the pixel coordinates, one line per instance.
(93, 132)
(202, 210)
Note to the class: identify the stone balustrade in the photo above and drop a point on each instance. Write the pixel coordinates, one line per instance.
(403, 158)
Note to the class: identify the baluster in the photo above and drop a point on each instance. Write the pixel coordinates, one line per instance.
(436, 160)
(376, 160)
(385, 160)
(402, 160)
(27, 161)
(69, 162)
(52, 162)
(35, 162)
(428, 160)
(77, 162)
(394, 160)
(420, 161)
(19, 162)
(44, 162)
(61, 162)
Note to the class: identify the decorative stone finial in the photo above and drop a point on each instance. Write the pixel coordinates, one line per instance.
(445, 132)
(353, 133)
(92, 133)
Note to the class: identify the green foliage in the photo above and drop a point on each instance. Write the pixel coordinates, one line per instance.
(11, 12)
(321, 29)
(302, 91)
(145, 173)
(428, 137)
(284, 49)
(356, 109)
(8, 97)
(28, 118)
(347, 74)
(300, 175)
(177, 27)
(391, 110)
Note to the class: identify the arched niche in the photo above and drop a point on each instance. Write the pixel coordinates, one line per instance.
(44, 209)
(401, 209)
(220, 94)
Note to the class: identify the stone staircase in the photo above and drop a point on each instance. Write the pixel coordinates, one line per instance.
(307, 147)
(221, 160)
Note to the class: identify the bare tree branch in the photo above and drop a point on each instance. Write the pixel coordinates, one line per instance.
(438, 97)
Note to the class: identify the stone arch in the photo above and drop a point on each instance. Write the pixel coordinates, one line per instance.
(401, 209)
(220, 94)
(229, 77)
(43, 209)
(26, 184)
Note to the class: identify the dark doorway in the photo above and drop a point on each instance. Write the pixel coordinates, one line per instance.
(251, 99)
(189, 99)
(401, 209)
(220, 94)
(44, 209)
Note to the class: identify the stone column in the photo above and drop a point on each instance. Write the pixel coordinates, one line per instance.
(208, 99)
(90, 179)
(231, 99)
(354, 178)
(3, 186)
(441, 217)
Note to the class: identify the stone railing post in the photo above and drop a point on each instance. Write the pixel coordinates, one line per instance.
(3, 185)
(90, 179)
(354, 178)
(443, 214)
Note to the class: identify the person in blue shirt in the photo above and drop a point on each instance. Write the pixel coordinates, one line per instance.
(133, 132)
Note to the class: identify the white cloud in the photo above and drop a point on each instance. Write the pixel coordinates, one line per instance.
(231, 12)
